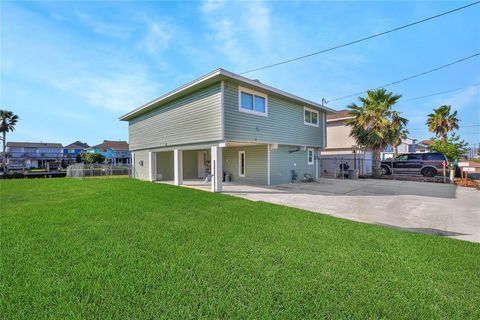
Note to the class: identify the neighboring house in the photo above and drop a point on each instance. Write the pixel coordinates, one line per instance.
(422, 146)
(407, 146)
(342, 148)
(27, 155)
(115, 152)
(71, 151)
(224, 123)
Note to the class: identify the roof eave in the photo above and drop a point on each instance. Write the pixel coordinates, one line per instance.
(169, 94)
(219, 73)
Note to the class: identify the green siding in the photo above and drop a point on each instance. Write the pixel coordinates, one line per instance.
(165, 166)
(284, 124)
(190, 164)
(141, 171)
(255, 164)
(282, 162)
(192, 119)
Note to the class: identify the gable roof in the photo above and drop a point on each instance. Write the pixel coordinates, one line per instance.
(339, 115)
(77, 145)
(34, 145)
(210, 78)
(112, 144)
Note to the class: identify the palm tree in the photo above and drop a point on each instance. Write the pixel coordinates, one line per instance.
(441, 122)
(8, 120)
(372, 124)
(396, 141)
(397, 131)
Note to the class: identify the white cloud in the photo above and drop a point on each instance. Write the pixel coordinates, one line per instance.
(157, 38)
(117, 93)
(257, 17)
(462, 98)
(70, 114)
(234, 30)
(100, 27)
(211, 5)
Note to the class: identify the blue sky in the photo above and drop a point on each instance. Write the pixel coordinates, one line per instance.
(70, 69)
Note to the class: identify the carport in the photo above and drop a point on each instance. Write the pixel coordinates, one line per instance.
(187, 166)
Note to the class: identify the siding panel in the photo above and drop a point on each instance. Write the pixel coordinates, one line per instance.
(255, 164)
(284, 124)
(141, 171)
(165, 166)
(194, 118)
(282, 162)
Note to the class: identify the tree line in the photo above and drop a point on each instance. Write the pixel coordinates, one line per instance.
(375, 125)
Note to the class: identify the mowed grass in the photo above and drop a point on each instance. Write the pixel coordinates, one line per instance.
(121, 248)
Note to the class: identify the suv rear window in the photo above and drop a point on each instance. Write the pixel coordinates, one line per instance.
(434, 156)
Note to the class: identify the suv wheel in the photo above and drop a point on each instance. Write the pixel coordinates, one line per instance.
(385, 171)
(429, 172)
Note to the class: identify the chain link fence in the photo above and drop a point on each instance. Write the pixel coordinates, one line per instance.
(344, 167)
(82, 170)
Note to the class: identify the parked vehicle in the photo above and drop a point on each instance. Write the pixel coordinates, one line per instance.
(426, 164)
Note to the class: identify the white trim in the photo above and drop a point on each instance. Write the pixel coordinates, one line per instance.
(308, 156)
(312, 111)
(216, 162)
(317, 159)
(226, 74)
(339, 119)
(133, 165)
(222, 107)
(240, 164)
(324, 116)
(253, 93)
(268, 164)
(178, 167)
(151, 166)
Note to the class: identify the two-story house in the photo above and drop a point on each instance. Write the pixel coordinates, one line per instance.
(226, 124)
(116, 153)
(26, 155)
(71, 151)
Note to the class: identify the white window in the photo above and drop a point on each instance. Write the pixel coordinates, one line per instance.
(310, 156)
(310, 117)
(252, 102)
(241, 163)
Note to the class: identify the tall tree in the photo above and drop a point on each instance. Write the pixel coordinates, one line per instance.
(372, 123)
(398, 132)
(453, 148)
(441, 122)
(8, 120)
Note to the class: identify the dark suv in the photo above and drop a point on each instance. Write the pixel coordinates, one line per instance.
(426, 164)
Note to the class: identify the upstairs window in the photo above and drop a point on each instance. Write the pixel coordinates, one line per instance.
(310, 117)
(252, 102)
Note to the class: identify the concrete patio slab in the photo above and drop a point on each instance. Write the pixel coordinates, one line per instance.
(441, 209)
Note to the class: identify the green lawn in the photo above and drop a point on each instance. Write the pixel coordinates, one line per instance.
(120, 248)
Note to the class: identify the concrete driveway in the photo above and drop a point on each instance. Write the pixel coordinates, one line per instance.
(435, 208)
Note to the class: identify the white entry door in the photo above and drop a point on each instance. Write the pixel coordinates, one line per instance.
(202, 160)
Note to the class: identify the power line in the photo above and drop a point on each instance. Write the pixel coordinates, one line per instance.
(360, 40)
(408, 78)
(442, 92)
(466, 126)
